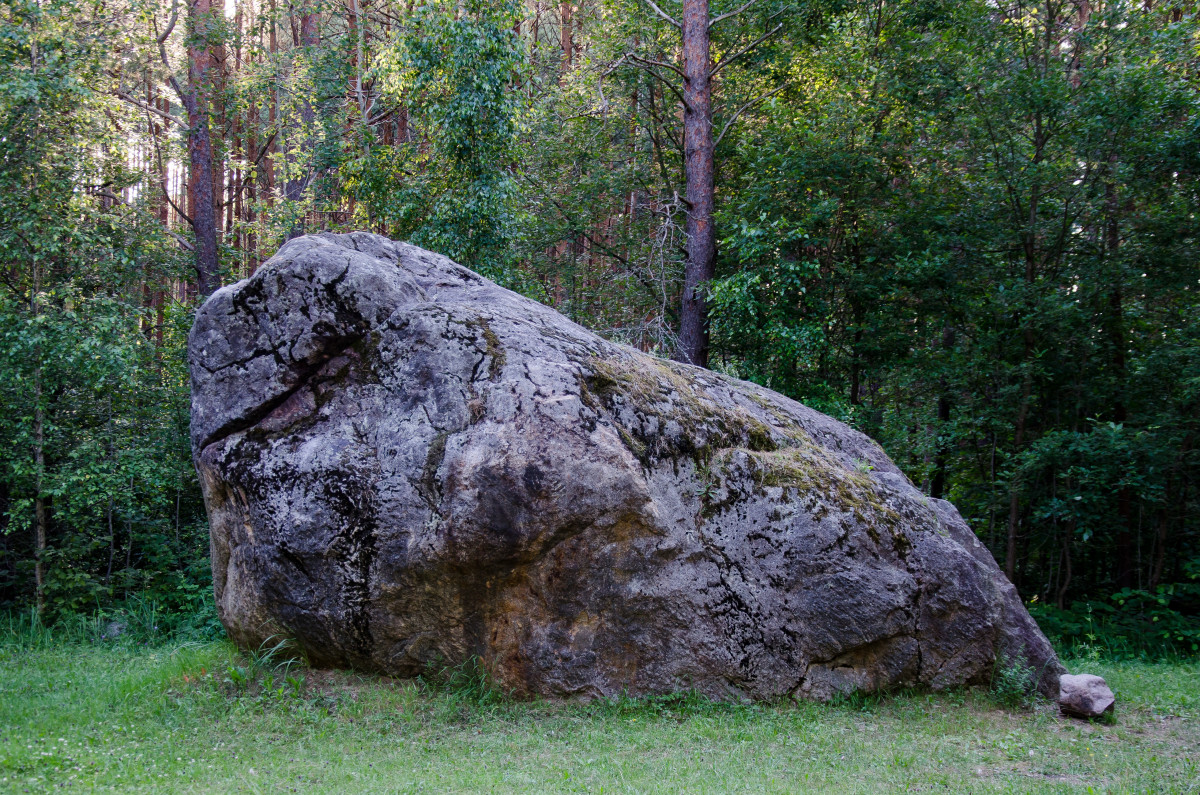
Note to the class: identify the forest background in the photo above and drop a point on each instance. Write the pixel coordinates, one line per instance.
(968, 229)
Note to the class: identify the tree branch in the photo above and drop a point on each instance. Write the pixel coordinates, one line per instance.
(731, 58)
(148, 108)
(663, 14)
(600, 82)
(729, 14)
(179, 212)
(648, 62)
(162, 39)
(738, 112)
(162, 54)
(265, 148)
(647, 66)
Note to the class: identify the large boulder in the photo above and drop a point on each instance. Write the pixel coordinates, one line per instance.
(406, 465)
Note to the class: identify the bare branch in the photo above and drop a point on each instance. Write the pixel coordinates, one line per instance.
(167, 195)
(648, 66)
(663, 14)
(265, 148)
(733, 13)
(162, 39)
(600, 81)
(739, 111)
(162, 54)
(183, 242)
(148, 108)
(728, 59)
(648, 62)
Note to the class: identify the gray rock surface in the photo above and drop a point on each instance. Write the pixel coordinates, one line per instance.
(1084, 696)
(407, 465)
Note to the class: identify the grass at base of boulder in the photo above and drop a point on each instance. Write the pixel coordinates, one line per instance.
(80, 716)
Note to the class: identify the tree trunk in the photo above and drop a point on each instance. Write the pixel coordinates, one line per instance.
(1061, 595)
(296, 184)
(269, 180)
(937, 488)
(1115, 316)
(40, 513)
(566, 40)
(1029, 243)
(1014, 494)
(200, 155)
(698, 172)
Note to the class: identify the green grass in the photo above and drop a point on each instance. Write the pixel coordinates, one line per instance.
(80, 716)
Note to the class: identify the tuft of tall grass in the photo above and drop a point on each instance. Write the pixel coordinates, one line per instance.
(467, 683)
(135, 622)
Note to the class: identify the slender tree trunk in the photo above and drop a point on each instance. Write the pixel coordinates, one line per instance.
(354, 23)
(1014, 493)
(112, 544)
(293, 189)
(40, 513)
(269, 179)
(1115, 316)
(251, 187)
(40, 517)
(698, 172)
(937, 488)
(1029, 243)
(200, 153)
(1061, 595)
(566, 39)
(856, 367)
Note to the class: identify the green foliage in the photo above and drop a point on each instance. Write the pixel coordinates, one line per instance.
(453, 67)
(952, 231)
(92, 379)
(967, 229)
(1132, 623)
(1012, 685)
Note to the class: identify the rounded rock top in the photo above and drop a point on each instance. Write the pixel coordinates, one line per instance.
(1084, 695)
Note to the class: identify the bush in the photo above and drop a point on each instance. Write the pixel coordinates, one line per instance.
(1012, 682)
(1131, 623)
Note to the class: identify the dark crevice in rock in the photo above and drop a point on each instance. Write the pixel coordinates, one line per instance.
(429, 487)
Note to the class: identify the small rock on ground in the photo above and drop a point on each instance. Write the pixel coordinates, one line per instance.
(1084, 696)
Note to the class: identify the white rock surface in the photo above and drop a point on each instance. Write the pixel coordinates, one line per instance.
(1084, 695)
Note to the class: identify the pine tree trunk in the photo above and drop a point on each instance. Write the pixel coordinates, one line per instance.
(200, 154)
(698, 172)
(565, 37)
(942, 448)
(296, 184)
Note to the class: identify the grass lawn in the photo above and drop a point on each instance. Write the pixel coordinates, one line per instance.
(82, 717)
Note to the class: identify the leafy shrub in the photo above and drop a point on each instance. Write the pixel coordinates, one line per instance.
(1130, 623)
(1012, 684)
